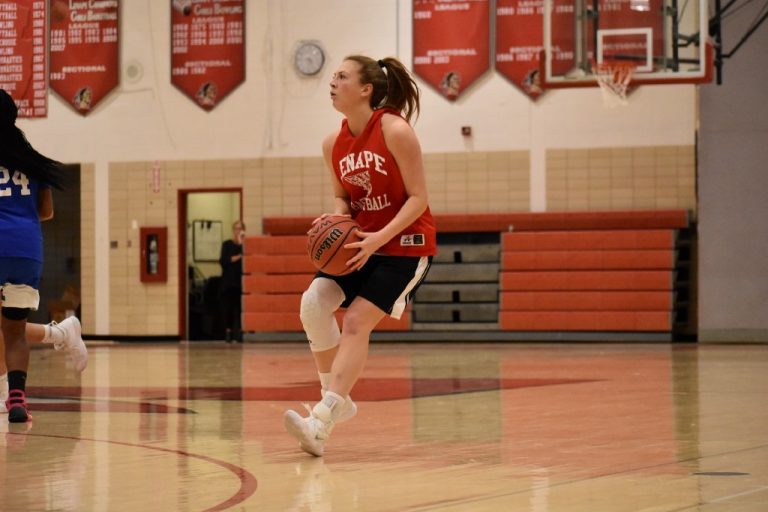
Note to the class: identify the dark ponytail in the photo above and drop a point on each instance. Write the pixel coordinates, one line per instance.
(17, 154)
(393, 85)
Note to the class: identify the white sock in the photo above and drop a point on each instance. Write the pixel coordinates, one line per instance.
(54, 335)
(325, 381)
(327, 409)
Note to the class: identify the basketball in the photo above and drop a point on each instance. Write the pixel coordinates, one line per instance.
(325, 244)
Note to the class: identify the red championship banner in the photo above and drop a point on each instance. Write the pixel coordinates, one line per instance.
(451, 43)
(207, 48)
(519, 40)
(22, 55)
(84, 51)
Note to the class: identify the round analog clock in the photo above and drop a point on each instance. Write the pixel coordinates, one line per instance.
(309, 58)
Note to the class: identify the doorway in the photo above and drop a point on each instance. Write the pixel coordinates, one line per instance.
(60, 281)
(205, 222)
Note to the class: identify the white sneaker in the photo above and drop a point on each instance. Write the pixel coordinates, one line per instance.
(3, 393)
(347, 411)
(73, 341)
(310, 432)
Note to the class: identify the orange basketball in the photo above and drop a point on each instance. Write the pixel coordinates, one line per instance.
(325, 244)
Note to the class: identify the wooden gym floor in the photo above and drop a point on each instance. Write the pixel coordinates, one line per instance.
(476, 427)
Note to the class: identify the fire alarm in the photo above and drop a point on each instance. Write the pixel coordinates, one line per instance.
(466, 131)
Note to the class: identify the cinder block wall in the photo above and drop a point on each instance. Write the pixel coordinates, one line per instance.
(476, 182)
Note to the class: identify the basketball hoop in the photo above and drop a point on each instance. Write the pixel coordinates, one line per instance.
(613, 79)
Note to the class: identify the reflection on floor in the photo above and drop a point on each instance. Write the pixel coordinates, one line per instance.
(448, 427)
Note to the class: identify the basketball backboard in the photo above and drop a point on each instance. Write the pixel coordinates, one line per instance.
(665, 41)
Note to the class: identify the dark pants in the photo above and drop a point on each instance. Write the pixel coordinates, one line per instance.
(231, 300)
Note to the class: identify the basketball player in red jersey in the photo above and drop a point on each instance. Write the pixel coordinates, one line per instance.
(378, 179)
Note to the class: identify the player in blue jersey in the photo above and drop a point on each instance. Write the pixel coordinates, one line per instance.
(26, 178)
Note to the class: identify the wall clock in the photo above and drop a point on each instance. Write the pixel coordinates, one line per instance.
(308, 58)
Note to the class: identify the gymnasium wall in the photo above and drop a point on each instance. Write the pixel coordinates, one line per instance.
(476, 182)
(621, 178)
(733, 187)
(563, 152)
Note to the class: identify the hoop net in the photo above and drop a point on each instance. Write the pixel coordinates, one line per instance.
(613, 79)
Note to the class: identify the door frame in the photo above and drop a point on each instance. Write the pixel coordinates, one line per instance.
(181, 195)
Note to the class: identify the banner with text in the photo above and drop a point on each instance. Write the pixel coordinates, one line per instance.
(519, 40)
(85, 56)
(22, 55)
(451, 43)
(207, 48)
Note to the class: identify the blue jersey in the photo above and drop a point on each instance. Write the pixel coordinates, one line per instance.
(20, 234)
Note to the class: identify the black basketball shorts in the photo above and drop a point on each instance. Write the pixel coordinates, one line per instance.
(389, 282)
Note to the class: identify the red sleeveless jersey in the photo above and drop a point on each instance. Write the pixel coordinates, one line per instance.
(370, 176)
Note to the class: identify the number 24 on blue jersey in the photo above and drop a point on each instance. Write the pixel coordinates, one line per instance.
(18, 178)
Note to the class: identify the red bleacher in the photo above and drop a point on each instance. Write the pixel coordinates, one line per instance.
(606, 280)
(277, 271)
(559, 271)
(520, 221)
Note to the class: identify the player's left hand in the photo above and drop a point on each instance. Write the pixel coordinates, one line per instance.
(368, 245)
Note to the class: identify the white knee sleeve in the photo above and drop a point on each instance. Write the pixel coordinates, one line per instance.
(20, 296)
(318, 305)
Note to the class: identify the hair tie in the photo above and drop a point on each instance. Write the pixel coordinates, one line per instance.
(383, 66)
